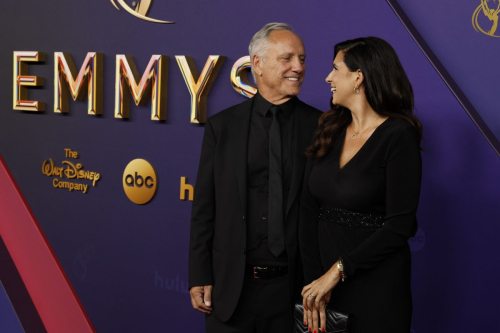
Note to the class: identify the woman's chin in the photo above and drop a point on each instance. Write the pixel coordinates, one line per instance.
(335, 101)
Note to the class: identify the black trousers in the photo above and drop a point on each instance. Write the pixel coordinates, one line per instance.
(264, 307)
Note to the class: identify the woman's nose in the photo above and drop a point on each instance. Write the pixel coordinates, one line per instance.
(328, 78)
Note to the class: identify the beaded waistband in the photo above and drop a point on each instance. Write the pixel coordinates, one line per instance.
(349, 218)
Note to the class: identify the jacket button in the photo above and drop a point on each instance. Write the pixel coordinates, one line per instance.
(244, 251)
(243, 217)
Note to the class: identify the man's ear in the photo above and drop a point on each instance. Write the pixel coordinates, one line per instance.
(256, 65)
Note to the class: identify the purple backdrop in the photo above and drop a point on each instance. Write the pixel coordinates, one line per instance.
(468, 55)
(9, 321)
(128, 263)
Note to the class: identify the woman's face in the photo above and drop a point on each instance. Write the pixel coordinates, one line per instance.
(342, 81)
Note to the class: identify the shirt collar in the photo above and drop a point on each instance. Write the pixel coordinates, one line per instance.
(261, 105)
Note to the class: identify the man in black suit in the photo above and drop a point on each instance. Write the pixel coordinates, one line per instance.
(244, 265)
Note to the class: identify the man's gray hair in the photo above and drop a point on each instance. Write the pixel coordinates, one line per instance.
(261, 38)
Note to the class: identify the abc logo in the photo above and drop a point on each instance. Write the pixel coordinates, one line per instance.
(139, 181)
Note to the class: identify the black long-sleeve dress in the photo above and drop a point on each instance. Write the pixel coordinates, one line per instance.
(382, 180)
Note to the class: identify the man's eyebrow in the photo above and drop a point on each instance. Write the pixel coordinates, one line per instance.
(291, 54)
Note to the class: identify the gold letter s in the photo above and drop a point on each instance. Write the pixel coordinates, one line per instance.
(239, 78)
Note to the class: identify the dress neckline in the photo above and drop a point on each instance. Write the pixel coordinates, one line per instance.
(360, 149)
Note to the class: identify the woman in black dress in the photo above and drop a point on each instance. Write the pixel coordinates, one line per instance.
(361, 193)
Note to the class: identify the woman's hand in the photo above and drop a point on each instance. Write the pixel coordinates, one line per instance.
(315, 297)
(316, 319)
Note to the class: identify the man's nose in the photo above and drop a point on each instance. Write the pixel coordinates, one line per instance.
(298, 66)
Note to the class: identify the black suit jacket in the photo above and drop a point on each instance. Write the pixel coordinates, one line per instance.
(218, 222)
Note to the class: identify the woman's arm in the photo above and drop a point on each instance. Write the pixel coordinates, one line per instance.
(403, 176)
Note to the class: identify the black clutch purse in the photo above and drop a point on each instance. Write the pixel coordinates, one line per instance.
(336, 322)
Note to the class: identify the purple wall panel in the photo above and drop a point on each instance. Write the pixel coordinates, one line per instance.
(128, 263)
(468, 55)
(9, 321)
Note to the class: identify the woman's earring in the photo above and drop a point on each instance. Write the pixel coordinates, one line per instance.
(356, 89)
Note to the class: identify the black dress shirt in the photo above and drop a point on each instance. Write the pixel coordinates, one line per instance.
(258, 253)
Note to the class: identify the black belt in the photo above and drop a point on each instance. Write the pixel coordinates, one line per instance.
(258, 272)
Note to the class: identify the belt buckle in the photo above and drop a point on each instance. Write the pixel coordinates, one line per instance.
(255, 272)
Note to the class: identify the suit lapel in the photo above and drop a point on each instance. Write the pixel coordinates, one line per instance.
(302, 141)
(238, 134)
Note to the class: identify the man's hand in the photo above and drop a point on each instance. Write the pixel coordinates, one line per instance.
(201, 298)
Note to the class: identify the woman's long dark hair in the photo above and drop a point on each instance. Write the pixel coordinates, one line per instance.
(386, 87)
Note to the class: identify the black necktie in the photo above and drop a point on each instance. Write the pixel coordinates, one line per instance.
(276, 241)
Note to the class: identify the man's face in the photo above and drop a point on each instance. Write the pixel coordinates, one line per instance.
(281, 69)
